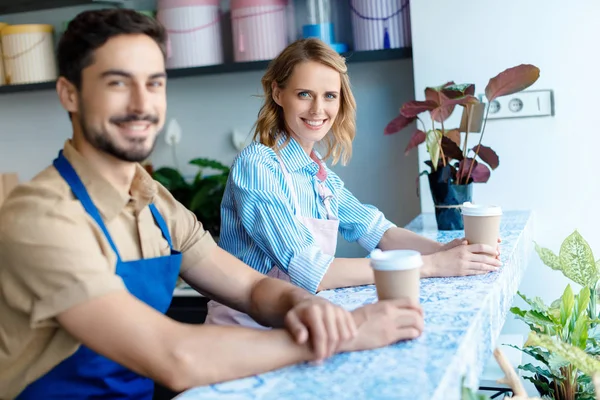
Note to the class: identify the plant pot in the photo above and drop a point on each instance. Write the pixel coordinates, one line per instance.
(447, 198)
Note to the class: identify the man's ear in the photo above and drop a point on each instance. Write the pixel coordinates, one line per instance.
(276, 93)
(68, 95)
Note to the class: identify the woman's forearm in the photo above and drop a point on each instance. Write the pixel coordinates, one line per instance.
(403, 239)
(346, 272)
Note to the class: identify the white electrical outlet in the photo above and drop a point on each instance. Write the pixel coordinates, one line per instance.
(532, 103)
(239, 140)
(173, 134)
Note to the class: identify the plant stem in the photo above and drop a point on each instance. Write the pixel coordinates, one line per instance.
(479, 144)
(466, 136)
(592, 306)
(469, 115)
(441, 149)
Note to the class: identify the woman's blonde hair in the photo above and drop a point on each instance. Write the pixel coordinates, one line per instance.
(270, 124)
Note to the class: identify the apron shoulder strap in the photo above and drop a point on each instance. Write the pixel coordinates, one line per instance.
(160, 221)
(65, 169)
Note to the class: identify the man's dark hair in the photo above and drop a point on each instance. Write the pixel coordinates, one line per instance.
(92, 29)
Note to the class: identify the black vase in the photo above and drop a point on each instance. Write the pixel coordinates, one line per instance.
(447, 198)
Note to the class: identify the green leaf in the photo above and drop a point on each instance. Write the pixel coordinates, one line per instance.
(566, 310)
(583, 300)
(170, 178)
(548, 257)
(535, 352)
(577, 261)
(518, 312)
(434, 138)
(536, 303)
(208, 163)
(577, 357)
(566, 307)
(538, 370)
(556, 362)
(542, 385)
(556, 303)
(580, 332)
(538, 322)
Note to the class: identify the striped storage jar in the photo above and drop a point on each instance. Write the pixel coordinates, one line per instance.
(28, 53)
(380, 24)
(194, 32)
(2, 77)
(259, 28)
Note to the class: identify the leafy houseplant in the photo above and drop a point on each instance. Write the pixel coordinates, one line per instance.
(568, 353)
(570, 322)
(454, 167)
(203, 195)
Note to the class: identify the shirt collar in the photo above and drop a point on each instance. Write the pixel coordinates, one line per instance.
(108, 199)
(295, 158)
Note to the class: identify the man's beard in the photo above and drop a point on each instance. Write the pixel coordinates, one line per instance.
(102, 141)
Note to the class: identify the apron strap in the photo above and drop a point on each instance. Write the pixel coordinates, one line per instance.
(65, 169)
(326, 196)
(323, 191)
(160, 221)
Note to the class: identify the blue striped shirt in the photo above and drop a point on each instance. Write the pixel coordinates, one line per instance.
(258, 224)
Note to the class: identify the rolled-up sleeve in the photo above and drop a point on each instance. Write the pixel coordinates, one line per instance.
(360, 222)
(264, 207)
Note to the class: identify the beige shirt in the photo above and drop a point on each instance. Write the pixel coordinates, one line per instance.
(53, 256)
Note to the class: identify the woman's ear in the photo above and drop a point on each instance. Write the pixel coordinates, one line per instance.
(68, 95)
(276, 90)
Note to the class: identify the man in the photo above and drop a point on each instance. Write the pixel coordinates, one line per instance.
(91, 249)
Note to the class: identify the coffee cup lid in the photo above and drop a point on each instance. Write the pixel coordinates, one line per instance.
(395, 260)
(477, 210)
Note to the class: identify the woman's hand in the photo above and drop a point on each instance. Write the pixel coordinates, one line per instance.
(461, 259)
(463, 241)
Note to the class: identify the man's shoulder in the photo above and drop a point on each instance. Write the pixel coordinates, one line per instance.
(37, 203)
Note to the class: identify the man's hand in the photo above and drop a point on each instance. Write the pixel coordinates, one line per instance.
(328, 326)
(385, 322)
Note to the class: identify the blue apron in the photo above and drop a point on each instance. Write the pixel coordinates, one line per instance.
(86, 374)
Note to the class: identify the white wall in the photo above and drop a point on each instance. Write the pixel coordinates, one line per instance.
(33, 126)
(549, 164)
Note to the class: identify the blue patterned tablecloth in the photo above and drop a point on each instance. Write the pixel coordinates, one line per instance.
(463, 318)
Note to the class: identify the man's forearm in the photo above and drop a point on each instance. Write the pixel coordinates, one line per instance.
(209, 354)
(403, 239)
(271, 299)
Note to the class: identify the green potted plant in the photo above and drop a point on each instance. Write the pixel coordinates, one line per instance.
(202, 195)
(576, 358)
(454, 167)
(569, 322)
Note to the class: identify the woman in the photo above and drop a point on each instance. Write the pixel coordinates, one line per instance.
(283, 207)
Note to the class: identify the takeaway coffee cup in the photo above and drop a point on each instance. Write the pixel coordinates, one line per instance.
(397, 273)
(482, 223)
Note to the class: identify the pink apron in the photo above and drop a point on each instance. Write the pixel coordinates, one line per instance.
(325, 234)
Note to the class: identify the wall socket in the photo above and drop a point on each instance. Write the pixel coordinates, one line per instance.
(532, 103)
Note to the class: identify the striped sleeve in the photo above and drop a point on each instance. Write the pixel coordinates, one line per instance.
(263, 204)
(360, 222)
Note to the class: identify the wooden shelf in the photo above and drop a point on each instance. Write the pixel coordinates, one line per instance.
(18, 6)
(352, 57)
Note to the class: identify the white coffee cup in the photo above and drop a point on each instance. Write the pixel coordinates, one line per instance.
(397, 273)
(482, 223)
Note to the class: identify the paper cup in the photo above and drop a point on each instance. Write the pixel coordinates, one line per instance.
(482, 223)
(397, 274)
